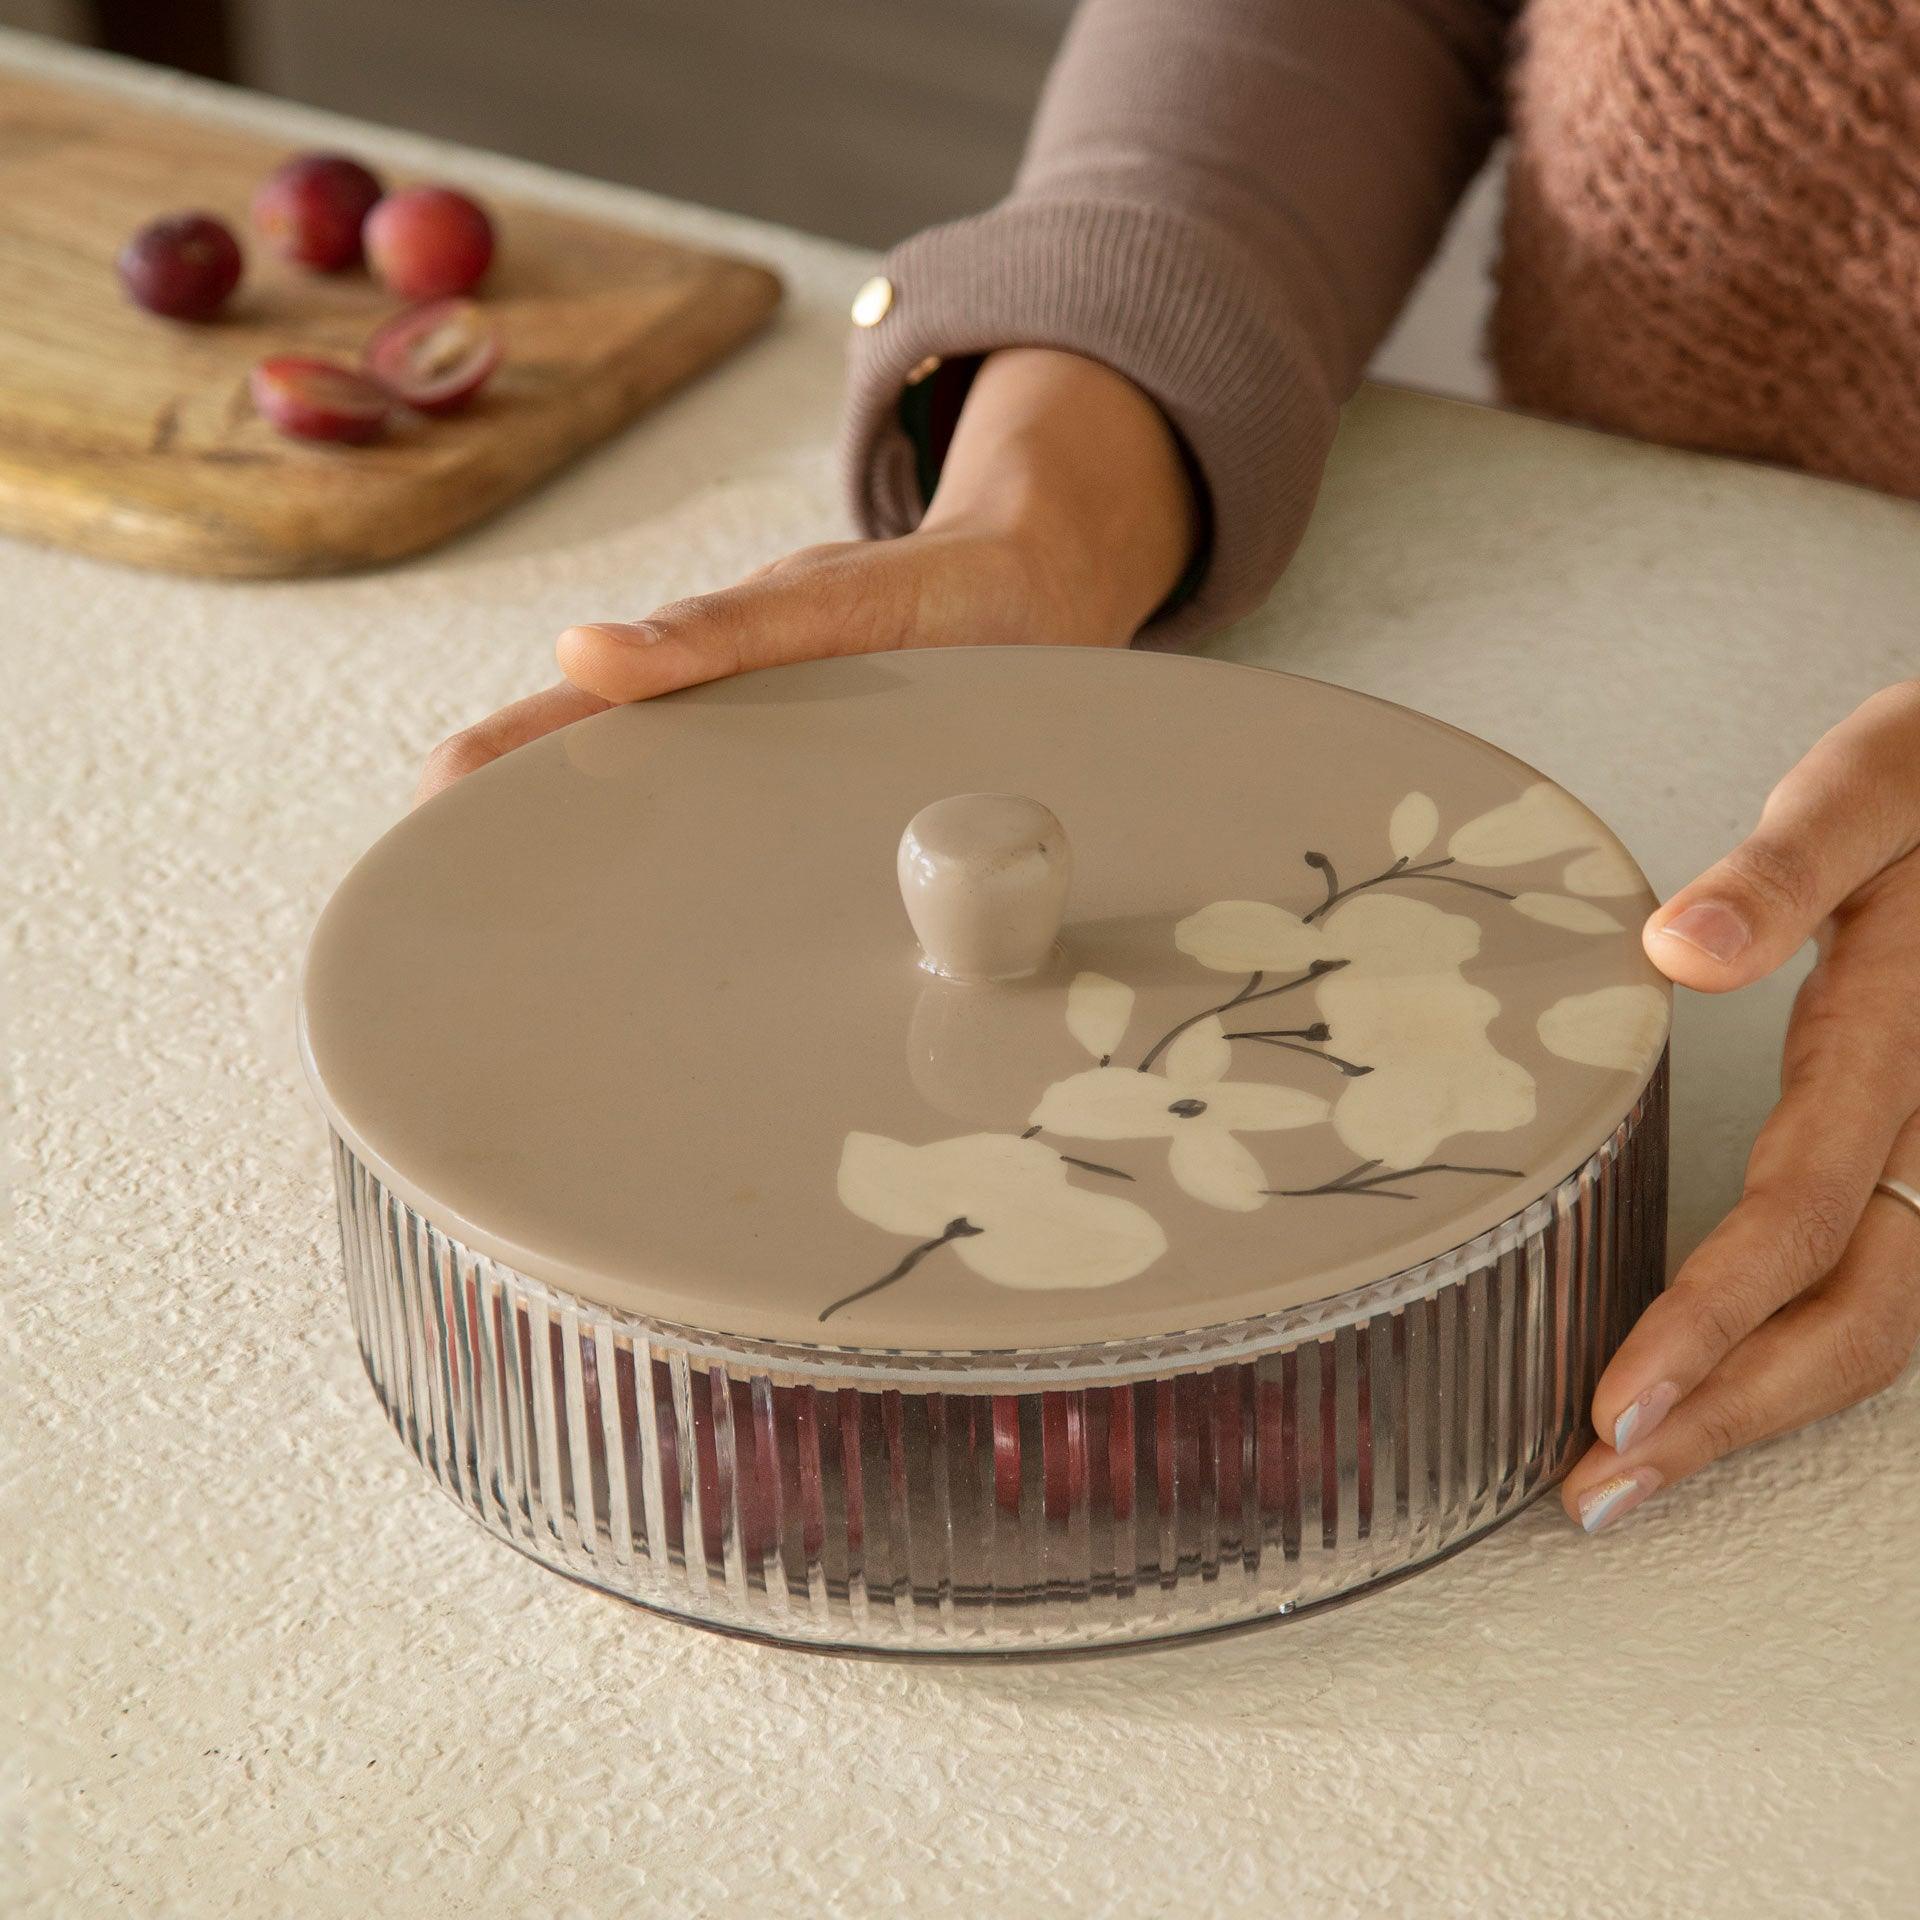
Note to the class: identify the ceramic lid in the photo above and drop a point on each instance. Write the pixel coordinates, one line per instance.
(641, 1009)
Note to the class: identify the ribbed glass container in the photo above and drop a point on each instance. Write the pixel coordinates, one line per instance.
(1003, 1503)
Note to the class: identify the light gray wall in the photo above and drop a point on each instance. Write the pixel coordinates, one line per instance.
(863, 119)
(1439, 344)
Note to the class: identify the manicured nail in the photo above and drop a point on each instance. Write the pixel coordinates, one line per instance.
(1644, 1414)
(1614, 1499)
(631, 633)
(1715, 929)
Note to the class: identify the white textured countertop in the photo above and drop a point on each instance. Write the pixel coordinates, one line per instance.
(259, 1667)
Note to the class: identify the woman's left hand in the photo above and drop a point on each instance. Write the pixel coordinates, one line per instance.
(1806, 1297)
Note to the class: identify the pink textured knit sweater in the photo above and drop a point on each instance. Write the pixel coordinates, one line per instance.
(1712, 235)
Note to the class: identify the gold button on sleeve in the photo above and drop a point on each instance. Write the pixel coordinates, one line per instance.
(871, 303)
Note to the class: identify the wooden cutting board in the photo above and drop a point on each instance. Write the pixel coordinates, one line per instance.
(134, 437)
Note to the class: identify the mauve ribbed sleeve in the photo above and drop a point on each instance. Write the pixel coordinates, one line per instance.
(1224, 200)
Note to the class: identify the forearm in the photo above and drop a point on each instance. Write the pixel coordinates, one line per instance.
(1329, 139)
(1075, 465)
(1225, 201)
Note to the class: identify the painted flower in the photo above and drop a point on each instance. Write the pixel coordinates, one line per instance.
(1189, 1102)
(1386, 972)
(1398, 1002)
(1545, 820)
(1004, 1204)
(1619, 1027)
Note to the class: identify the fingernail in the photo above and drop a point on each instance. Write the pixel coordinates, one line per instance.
(1614, 1499)
(634, 633)
(1644, 1414)
(1716, 930)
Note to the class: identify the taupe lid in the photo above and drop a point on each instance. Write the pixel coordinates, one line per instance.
(640, 1009)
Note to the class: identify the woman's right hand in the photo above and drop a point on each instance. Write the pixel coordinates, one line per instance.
(924, 589)
(1063, 517)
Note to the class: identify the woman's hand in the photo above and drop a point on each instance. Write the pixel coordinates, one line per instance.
(1806, 1298)
(1063, 516)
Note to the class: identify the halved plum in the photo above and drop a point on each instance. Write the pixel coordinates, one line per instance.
(313, 399)
(434, 357)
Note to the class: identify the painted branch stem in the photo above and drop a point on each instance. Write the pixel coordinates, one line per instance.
(1252, 991)
(961, 1229)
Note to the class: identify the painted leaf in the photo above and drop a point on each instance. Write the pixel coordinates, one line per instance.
(1403, 1006)
(1252, 1106)
(1098, 1010)
(1557, 910)
(1201, 1055)
(1108, 1103)
(1063, 1237)
(1415, 821)
(1543, 820)
(1249, 936)
(1034, 1228)
(892, 1185)
(1619, 1027)
(1211, 1166)
(1606, 873)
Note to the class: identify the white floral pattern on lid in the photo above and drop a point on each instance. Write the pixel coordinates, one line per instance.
(1098, 1010)
(612, 1014)
(1004, 1204)
(1190, 1102)
(1395, 998)
(1546, 820)
(1619, 1027)
(1387, 973)
(1411, 827)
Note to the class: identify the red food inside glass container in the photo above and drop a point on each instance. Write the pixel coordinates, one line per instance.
(1164, 1457)
(1063, 1423)
(1276, 1437)
(754, 1474)
(1229, 1443)
(706, 1464)
(853, 1479)
(1006, 1452)
(667, 1437)
(1120, 1450)
(434, 357)
(311, 209)
(813, 1504)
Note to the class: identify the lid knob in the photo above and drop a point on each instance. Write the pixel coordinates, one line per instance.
(984, 877)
